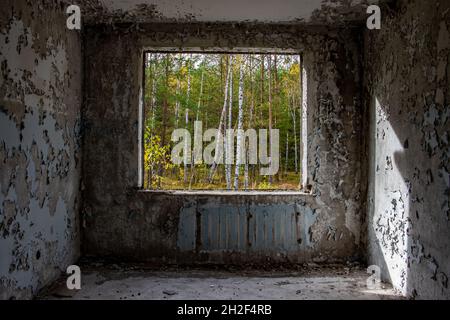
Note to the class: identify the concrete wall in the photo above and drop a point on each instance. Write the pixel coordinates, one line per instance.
(123, 222)
(40, 102)
(314, 12)
(407, 90)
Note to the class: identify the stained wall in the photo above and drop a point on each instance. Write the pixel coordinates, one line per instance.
(407, 96)
(40, 103)
(122, 221)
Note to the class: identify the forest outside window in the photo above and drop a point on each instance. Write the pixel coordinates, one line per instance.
(216, 121)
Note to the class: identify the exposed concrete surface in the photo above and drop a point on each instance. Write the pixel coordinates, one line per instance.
(121, 221)
(40, 104)
(337, 283)
(407, 85)
(331, 12)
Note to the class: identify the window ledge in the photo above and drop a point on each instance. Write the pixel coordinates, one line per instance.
(226, 192)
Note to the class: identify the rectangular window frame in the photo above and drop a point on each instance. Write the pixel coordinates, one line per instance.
(305, 190)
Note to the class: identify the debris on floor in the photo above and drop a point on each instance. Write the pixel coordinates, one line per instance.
(125, 282)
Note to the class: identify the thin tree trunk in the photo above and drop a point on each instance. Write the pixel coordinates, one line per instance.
(196, 119)
(228, 144)
(200, 97)
(287, 153)
(152, 121)
(165, 102)
(256, 178)
(186, 111)
(250, 120)
(270, 110)
(177, 103)
(262, 87)
(294, 117)
(276, 99)
(301, 113)
(275, 89)
(221, 126)
(153, 104)
(239, 127)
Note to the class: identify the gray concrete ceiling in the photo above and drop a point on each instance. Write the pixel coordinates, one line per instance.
(322, 12)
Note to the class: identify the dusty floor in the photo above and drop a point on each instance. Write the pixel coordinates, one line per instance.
(118, 282)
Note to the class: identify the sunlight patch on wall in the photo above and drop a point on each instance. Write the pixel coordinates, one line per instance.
(391, 204)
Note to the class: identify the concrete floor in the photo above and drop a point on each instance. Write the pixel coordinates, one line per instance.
(133, 283)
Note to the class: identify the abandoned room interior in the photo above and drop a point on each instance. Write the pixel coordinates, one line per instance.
(116, 163)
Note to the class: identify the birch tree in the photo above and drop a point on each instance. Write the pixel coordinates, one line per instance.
(239, 127)
(200, 96)
(262, 86)
(221, 126)
(228, 140)
(250, 122)
(196, 119)
(165, 102)
(152, 117)
(269, 70)
(186, 111)
(294, 117)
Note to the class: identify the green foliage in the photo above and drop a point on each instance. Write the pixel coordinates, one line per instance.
(156, 160)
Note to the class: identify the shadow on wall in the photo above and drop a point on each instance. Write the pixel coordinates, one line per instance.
(409, 205)
(390, 221)
(407, 90)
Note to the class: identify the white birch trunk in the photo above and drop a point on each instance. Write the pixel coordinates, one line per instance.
(196, 119)
(227, 140)
(294, 117)
(186, 111)
(239, 127)
(220, 128)
(287, 153)
(200, 97)
(269, 70)
(249, 123)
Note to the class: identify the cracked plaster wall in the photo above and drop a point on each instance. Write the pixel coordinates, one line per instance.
(407, 91)
(40, 104)
(120, 221)
(311, 12)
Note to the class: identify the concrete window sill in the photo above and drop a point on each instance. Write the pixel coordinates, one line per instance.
(225, 193)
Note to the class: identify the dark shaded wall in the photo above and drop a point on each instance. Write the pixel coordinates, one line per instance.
(121, 221)
(40, 104)
(407, 91)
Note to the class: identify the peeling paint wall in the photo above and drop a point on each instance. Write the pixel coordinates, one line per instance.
(312, 12)
(407, 91)
(40, 104)
(210, 227)
(123, 222)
